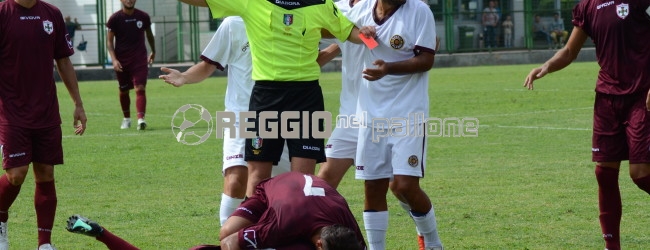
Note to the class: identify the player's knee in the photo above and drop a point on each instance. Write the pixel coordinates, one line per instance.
(16, 176)
(404, 187)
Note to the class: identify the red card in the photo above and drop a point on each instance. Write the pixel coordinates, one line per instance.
(370, 42)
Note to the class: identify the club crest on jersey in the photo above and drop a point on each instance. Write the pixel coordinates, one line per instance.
(288, 19)
(397, 42)
(413, 161)
(48, 26)
(139, 24)
(622, 10)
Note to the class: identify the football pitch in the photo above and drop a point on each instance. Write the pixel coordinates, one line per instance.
(525, 182)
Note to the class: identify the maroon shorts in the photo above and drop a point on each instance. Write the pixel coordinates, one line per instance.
(621, 129)
(132, 76)
(21, 146)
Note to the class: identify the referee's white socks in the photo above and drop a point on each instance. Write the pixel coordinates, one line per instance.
(228, 206)
(428, 228)
(376, 225)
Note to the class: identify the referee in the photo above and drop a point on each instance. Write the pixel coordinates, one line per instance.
(284, 37)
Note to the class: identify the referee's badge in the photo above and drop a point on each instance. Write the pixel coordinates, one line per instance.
(397, 42)
(257, 145)
(413, 161)
(288, 19)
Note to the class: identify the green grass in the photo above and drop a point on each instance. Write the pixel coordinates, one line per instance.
(526, 182)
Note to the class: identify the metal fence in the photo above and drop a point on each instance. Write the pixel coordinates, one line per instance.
(182, 31)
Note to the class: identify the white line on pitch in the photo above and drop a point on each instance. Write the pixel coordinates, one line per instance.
(535, 127)
(532, 112)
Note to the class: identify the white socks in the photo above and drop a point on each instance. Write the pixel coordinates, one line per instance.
(376, 225)
(428, 228)
(228, 206)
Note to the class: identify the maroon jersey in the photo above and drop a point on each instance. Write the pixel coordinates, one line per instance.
(291, 207)
(620, 30)
(29, 42)
(129, 32)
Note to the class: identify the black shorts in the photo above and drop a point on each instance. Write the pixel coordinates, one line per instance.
(286, 96)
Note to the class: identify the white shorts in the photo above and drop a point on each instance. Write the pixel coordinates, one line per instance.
(233, 154)
(389, 156)
(342, 144)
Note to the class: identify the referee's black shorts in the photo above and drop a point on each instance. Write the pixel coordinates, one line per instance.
(280, 97)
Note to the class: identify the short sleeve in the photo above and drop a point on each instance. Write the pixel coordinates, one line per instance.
(579, 19)
(426, 29)
(110, 23)
(336, 23)
(223, 8)
(219, 50)
(147, 21)
(63, 46)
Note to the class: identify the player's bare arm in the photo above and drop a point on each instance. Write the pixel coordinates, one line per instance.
(110, 46)
(200, 3)
(152, 45)
(69, 77)
(419, 63)
(194, 74)
(327, 54)
(367, 31)
(561, 59)
(230, 243)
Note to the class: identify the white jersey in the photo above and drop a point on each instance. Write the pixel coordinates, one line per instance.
(229, 46)
(410, 30)
(351, 68)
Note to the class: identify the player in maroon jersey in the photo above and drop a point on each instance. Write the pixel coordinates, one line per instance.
(292, 211)
(621, 31)
(125, 43)
(33, 37)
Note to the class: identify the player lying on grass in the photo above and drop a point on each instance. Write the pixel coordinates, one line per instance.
(290, 211)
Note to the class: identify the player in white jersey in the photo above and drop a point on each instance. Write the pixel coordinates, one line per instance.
(341, 147)
(394, 95)
(229, 46)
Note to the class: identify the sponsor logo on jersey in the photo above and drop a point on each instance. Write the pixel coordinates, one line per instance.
(246, 46)
(312, 148)
(413, 161)
(360, 168)
(17, 155)
(595, 149)
(622, 10)
(288, 19)
(48, 26)
(287, 3)
(237, 156)
(139, 24)
(604, 5)
(245, 209)
(295, 4)
(397, 42)
(30, 18)
(328, 145)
